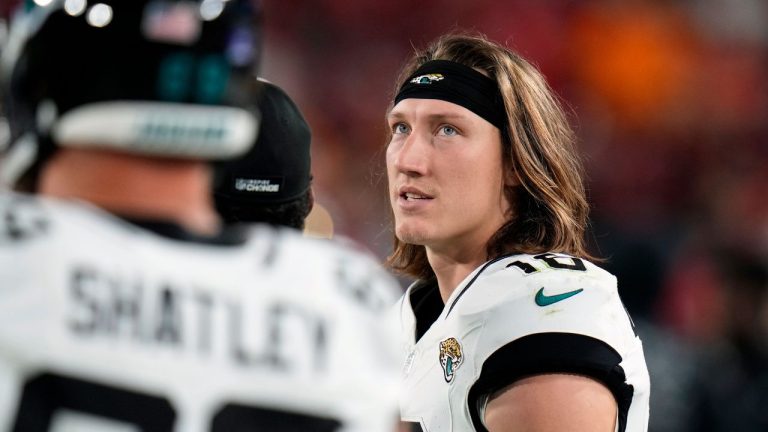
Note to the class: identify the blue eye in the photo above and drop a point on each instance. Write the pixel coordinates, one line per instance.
(400, 128)
(449, 130)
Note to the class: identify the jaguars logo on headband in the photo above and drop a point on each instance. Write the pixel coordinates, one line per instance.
(427, 79)
(451, 357)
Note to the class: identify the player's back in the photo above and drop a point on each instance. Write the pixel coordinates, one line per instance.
(106, 325)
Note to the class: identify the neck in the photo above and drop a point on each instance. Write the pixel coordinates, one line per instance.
(452, 267)
(134, 186)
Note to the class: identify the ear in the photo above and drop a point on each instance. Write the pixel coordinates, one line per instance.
(311, 199)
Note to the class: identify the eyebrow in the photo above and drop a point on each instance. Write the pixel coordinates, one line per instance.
(439, 116)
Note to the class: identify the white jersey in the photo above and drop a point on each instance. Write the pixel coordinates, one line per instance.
(517, 316)
(106, 326)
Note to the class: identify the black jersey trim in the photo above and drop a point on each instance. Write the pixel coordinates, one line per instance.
(413, 426)
(427, 305)
(466, 287)
(547, 353)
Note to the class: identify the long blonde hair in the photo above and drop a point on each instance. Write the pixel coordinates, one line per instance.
(549, 209)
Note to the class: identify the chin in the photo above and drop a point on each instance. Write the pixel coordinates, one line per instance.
(410, 234)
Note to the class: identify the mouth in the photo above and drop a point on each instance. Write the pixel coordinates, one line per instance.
(409, 195)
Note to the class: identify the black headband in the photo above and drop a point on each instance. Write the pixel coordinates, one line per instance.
(453, 82)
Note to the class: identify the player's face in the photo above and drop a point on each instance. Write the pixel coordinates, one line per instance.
(446, 182)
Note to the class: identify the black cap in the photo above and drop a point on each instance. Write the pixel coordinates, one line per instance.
(277, 168)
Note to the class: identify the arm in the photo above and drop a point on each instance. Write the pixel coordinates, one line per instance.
(553, 402)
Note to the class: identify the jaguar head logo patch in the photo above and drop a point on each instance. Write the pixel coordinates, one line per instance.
(451, 357)
(427, 79)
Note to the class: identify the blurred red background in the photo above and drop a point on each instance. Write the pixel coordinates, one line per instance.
(669, 99)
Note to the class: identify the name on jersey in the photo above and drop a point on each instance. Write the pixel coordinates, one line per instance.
(198, 321)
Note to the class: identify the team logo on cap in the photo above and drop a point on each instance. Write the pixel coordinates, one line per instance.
(427, 79)
(451, 357)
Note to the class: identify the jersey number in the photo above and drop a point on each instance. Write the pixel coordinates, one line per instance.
(552, 261)
(46, 395)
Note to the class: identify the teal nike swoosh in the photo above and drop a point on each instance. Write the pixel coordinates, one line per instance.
(545, 300)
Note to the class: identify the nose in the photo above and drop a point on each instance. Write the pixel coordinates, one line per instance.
(412, 158)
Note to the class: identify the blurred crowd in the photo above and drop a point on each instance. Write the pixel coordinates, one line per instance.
(669, 100)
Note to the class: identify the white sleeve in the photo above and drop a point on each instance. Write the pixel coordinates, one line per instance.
(551, 320)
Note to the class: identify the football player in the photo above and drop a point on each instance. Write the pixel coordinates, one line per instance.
(124, 304)
(509, 326)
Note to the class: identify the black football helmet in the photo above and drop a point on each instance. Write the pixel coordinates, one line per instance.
(170, 78)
